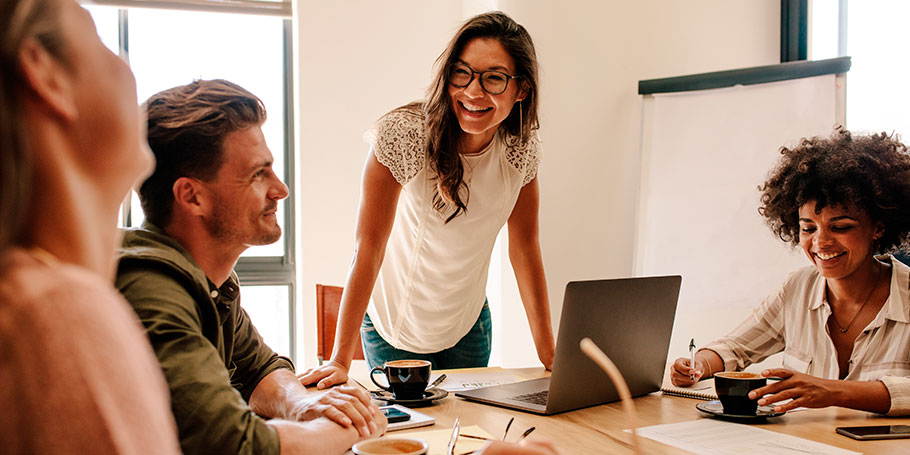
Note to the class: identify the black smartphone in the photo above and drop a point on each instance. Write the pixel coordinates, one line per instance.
(395, 415)
(876, 432)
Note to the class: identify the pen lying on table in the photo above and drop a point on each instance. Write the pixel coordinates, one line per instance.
(482, 438)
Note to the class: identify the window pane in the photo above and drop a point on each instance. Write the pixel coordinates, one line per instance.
(247, 50)
(876, 84)
(108, 25)
(824, 31)
(269, 308)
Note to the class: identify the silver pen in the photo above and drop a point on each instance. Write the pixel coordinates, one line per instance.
(692, 357)
(454, 438)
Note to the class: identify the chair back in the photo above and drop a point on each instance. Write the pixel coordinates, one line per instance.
(328, 301)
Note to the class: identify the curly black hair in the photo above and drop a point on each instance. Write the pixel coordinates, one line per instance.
(867, 172)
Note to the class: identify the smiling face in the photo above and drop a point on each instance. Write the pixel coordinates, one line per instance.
(245, 192)
(838, 240)
(478, 112)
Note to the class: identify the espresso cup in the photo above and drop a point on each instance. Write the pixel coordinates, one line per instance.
(733, 389)
(408, 379)
(391, 446)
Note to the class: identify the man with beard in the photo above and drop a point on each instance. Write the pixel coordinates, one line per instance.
(212, 195)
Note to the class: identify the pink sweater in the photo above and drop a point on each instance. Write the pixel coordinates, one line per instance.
(77, 375)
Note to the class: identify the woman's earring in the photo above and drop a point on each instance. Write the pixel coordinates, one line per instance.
(521, 123)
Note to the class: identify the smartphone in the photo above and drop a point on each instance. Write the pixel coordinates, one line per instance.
(395, 415)
(876, 432)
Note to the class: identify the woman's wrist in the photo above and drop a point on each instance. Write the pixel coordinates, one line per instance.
(706, 370)
(338, 362)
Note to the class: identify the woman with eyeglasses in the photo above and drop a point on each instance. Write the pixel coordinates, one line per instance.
(442, 178)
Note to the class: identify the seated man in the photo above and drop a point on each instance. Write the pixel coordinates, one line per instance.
(212, 195)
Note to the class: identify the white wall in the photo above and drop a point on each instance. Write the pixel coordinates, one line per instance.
(358, 59)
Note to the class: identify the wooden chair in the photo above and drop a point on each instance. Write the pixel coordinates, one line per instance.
(328, 301)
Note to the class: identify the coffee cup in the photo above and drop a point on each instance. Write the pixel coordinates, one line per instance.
(408, 379)
(391, 446)
(733, 389)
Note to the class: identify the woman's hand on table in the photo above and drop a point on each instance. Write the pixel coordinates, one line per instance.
(332, 373)
(806, 391)
(527, 447)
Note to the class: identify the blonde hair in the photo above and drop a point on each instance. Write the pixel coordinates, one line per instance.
(20, 21)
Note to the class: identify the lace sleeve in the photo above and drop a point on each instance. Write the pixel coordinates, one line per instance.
(399, 143)
(525, 158)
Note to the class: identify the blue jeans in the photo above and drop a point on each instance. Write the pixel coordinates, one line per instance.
(473, 350)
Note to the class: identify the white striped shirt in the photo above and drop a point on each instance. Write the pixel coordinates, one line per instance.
(794, 320)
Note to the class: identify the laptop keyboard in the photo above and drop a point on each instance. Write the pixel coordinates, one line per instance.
(538, 398)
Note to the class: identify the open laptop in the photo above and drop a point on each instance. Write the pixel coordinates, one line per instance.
(631, 319)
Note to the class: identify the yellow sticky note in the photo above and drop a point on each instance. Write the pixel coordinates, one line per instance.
(438, 440)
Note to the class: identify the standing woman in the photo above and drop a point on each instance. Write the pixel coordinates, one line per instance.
(441, 179)
(77, 375)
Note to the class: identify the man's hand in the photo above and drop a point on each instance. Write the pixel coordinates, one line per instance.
(332, 373)
(526, 447)
(343, 405)
(806, 391)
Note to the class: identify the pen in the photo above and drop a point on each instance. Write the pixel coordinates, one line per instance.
(692, 357)
(438, 381)
(455, 430)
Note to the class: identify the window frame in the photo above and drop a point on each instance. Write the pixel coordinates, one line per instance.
(254, 270)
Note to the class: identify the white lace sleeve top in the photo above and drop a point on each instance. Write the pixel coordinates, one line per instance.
(432, 283)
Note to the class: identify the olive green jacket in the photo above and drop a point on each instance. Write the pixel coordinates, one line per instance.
(211, 354)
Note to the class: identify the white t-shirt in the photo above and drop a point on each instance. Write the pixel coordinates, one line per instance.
(432, 284)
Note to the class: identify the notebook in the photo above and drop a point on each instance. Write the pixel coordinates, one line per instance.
(630, 319)
(418, 419)
(702, 390)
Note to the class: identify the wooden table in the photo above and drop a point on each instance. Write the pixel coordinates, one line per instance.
(599, 429)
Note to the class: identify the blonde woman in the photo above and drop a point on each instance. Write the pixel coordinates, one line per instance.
(77, 375)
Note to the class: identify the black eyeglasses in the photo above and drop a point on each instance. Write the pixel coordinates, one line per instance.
(491, 81)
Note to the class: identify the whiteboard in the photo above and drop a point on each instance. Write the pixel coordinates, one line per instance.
(704, 154)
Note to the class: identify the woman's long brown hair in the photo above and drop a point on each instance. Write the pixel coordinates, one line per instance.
(443, 130)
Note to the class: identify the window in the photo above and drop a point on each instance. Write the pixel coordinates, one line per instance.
(167, 48)
(870, 32)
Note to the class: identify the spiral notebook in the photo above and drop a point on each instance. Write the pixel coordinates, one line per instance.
(702, 390)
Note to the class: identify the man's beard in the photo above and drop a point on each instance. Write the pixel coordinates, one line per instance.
(222, 226)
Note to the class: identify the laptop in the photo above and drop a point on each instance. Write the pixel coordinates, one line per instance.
(630, 319)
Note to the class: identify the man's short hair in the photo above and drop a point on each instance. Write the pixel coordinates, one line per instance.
(186, 130)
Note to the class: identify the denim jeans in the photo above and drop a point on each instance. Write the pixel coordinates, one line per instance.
(473, 350)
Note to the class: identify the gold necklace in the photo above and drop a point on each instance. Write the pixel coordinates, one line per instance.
(871, 291)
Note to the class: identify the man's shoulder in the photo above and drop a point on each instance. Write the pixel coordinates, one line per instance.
(153, 250)
(154, 266)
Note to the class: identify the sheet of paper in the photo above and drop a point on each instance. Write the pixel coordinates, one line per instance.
(456, 382)
(715, 437)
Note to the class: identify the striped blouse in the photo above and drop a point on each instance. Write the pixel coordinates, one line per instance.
(794, 320)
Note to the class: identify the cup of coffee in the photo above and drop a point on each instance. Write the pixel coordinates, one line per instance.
(408, 379)
(391, 446)
(733, 389)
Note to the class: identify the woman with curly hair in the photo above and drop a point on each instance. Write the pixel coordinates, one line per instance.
(843, 323)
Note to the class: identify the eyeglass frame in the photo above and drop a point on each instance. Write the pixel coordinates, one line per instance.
(508, 77)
